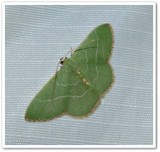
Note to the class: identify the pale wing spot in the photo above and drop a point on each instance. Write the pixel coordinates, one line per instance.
(84, 80)
(78, 72)
(87, 83)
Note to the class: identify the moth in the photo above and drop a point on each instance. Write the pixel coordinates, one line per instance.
(77, 87)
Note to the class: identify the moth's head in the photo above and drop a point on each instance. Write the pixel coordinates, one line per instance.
(62, 60)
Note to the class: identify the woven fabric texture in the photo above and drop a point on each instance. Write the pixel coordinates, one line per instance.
(38, 36)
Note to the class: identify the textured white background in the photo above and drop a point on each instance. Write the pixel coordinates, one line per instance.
(37, 36)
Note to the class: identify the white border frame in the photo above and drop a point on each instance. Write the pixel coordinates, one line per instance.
(81, 3)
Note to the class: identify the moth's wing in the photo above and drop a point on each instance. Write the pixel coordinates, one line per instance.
(50, 102)
(92, 57)
(97, 45)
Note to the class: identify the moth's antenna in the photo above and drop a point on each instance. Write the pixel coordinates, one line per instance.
(72, 51)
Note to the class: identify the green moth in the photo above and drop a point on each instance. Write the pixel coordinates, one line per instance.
(82, 80)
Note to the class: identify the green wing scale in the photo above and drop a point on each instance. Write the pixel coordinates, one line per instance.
(79, 85)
